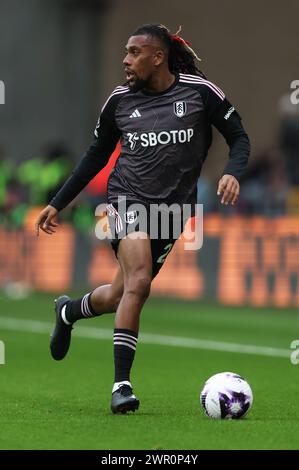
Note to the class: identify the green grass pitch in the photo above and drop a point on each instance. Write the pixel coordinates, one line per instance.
(66, 405)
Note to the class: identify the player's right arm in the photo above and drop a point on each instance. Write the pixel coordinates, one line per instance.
(47, 220)
(106, 136)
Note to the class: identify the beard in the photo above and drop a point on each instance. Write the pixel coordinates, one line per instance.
(137, 84)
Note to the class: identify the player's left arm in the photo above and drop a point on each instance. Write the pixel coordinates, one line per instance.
(227, 120)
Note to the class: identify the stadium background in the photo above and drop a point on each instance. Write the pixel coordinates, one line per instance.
(58, 61)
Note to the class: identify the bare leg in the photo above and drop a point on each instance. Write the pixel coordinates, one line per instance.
(105, 299)
(135, 258)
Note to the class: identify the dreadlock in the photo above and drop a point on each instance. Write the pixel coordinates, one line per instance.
(181, 57)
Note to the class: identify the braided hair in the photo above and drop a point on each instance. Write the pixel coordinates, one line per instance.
(181, 57)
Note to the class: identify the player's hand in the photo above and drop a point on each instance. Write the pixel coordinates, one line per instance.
(46, 220)
(229, 188)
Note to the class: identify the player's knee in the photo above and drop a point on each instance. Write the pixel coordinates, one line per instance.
(139, 285)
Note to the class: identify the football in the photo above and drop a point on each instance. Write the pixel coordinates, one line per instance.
(226, 396)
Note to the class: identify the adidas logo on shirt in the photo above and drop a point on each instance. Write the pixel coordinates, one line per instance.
(135, 114)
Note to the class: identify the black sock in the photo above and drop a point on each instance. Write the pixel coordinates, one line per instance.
(125, 342)
(80, 308)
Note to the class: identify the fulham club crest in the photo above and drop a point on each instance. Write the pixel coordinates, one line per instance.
(130, 217)
(180, 108)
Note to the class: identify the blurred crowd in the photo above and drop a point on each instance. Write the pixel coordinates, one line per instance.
(34, 182)
(270, 186)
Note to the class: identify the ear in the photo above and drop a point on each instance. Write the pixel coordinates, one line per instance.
(159, 57)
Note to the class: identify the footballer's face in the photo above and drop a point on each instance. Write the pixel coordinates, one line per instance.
(144, 55)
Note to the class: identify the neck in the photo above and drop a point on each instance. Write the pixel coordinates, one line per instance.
(160, 82)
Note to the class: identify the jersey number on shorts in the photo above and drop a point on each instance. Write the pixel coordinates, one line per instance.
(167, 249)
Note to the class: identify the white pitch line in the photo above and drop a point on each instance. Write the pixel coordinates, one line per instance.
(34, 326)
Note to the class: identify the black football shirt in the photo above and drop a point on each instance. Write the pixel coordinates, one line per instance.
(164, 139)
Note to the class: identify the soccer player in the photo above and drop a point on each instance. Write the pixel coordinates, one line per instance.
(162, 117)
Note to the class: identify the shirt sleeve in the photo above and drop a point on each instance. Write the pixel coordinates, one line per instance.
(106, 136)
(222, 114)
